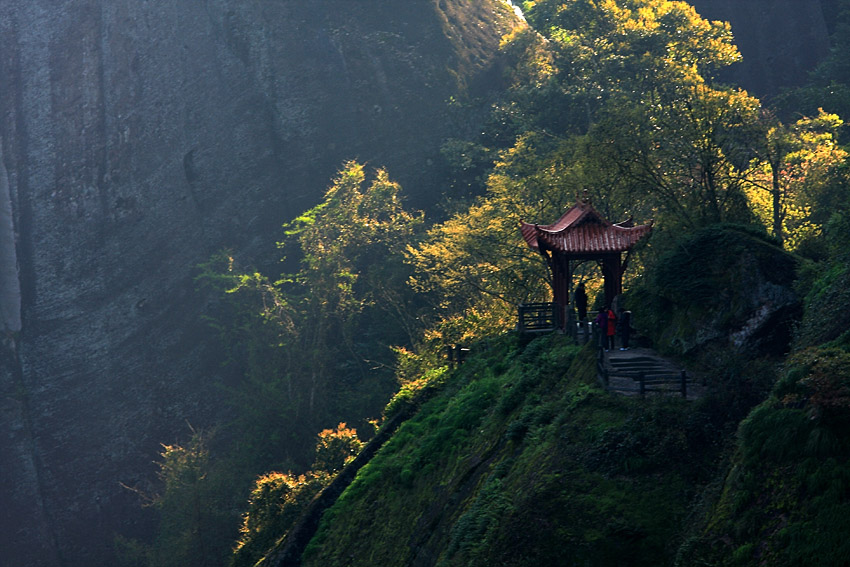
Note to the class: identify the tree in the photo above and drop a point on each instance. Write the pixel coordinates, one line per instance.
(350, 286)
(659, 134)
(313, 346)
(306, 349)
(634, 48)
(474, 266)
(260, 337)
(687, 154)
(793, 166)
(335, 448)
(194, 507)
(278, 500)
(609, 97)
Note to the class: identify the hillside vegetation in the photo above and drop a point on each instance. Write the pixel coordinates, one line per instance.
(521, 459)
(517, 457)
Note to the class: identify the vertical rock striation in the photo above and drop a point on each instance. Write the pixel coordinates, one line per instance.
(138, 137)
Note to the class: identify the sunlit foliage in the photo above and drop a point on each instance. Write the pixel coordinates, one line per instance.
(194, 506)
(278, 500)
(792, 168)
(685, 154)
(605, 48)
(609, 98)
(312, 346)
(336, 448)
(475, 265)
(307, 343)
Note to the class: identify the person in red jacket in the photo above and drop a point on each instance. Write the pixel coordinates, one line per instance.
(611, 330)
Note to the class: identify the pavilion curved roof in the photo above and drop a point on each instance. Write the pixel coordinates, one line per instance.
(582, 230)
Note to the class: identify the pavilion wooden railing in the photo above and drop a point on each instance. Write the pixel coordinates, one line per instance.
(545, 317)
(456, 354)
(538, 317)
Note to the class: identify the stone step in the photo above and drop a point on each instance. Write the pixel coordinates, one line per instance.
(660, 375)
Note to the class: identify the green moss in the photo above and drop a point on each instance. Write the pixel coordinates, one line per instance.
(786, 498)
(701, 287)
(773, 435)
(827, 315)
(520, 467)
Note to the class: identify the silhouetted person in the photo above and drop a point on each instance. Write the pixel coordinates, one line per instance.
(581, 302)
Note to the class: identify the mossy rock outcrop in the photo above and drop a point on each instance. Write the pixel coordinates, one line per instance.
(725, 286)
(786, 497)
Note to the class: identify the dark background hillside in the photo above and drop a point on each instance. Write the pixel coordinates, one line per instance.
(780, 41)
(138, 138)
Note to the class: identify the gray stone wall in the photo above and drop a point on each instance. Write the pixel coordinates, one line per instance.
(138, 137)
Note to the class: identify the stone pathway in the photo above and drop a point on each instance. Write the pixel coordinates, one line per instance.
(621, 371)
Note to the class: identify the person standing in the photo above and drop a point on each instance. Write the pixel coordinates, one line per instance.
(602, 325)
(581, 302)
(611, 330)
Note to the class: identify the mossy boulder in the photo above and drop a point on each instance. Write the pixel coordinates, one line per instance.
(725, 286)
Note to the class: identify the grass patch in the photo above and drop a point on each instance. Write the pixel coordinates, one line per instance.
(522, 467)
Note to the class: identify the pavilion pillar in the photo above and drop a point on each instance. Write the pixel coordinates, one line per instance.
(582, 234)
(612, 272)
(561, 276)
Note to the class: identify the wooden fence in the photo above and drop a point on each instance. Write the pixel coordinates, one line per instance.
(548, 317)
(538, 317)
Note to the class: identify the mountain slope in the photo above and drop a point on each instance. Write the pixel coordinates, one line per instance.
(522, 460)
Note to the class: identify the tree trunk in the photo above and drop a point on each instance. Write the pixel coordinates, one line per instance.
(777, 203)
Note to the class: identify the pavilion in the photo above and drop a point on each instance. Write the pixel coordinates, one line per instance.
(583, 234)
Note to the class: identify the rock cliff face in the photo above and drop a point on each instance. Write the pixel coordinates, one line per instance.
(741, 301)
(137, 137)
(780, 40)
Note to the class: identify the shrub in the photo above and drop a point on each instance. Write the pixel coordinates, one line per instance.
(335, 448)
(819, 381)
(411, 392)
(276, 502)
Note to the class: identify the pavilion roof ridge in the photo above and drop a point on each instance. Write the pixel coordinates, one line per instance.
(583, 229)
(580, 213)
